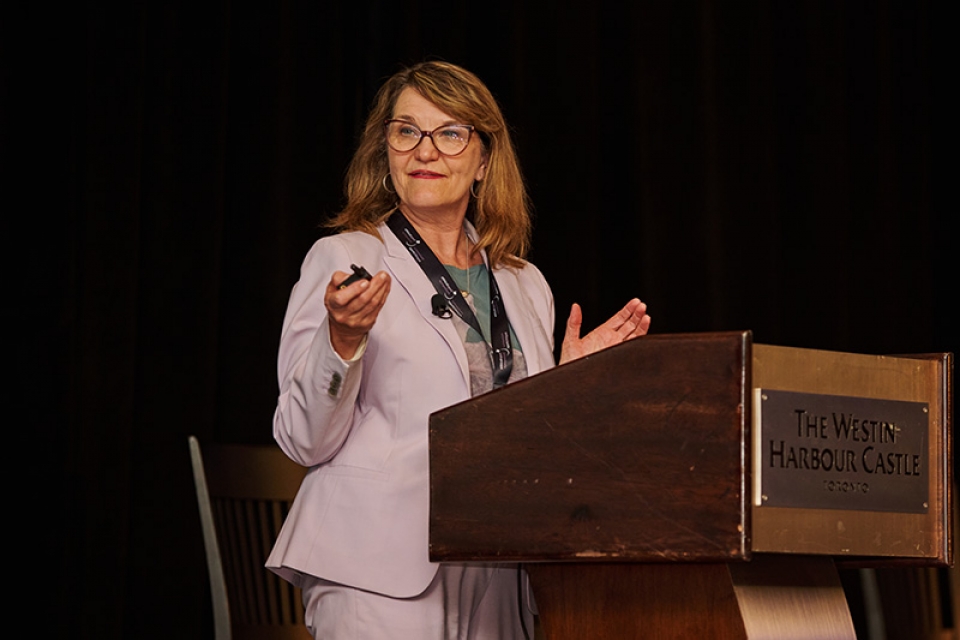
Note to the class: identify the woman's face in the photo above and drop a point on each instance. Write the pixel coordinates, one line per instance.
(427, 182)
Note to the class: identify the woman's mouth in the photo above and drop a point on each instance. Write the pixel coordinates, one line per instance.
(425, 175)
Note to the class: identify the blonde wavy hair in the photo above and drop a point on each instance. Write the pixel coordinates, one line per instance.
(501, 209)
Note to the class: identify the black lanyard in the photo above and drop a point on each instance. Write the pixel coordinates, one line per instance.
(501, 353)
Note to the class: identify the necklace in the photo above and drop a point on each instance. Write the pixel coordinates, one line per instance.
(466, 292)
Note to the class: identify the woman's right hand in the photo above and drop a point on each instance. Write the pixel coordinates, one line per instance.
(354, 310)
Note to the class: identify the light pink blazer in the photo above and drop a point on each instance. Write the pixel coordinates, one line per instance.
(361, 515)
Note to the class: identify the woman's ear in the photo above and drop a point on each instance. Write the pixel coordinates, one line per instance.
(482, 169)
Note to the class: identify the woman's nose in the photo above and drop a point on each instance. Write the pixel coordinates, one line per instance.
(426, 150)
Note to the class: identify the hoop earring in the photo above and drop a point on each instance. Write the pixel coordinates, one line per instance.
(473, 191)
(383, 182)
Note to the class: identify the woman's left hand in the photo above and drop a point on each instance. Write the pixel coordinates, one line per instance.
(630, 322)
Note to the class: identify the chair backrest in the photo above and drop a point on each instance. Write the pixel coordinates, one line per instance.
(244, 493)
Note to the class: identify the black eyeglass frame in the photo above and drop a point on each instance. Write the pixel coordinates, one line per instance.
(427, 134)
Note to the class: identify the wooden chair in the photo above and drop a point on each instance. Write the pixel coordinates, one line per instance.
(244, 492)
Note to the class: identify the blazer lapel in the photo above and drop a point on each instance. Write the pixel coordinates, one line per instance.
(528, 327)
(408, 274)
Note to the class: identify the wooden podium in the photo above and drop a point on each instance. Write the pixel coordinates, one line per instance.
(699, 485)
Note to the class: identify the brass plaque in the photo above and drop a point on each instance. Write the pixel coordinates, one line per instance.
(822, 451)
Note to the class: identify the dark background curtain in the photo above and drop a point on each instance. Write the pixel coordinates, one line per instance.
(738, 165)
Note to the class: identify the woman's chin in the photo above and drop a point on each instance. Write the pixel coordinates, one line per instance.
(434, 206)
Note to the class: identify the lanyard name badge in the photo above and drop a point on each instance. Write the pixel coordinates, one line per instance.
(501, 353)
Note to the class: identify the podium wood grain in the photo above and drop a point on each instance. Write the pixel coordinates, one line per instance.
(582, 462)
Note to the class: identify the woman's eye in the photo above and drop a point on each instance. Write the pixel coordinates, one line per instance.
(453, 133)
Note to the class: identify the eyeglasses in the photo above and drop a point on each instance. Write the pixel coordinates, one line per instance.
(450, 140)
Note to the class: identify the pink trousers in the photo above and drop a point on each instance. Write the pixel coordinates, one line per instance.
(464, 602)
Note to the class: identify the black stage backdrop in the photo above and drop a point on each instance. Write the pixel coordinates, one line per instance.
(738, 165)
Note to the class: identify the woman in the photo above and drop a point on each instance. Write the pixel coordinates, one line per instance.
(437, 210)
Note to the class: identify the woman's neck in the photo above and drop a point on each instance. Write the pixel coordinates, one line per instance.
(446, 237)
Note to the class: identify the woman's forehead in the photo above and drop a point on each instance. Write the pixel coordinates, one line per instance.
(411, 105)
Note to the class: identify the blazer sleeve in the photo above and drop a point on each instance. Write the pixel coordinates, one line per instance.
(318, 388)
